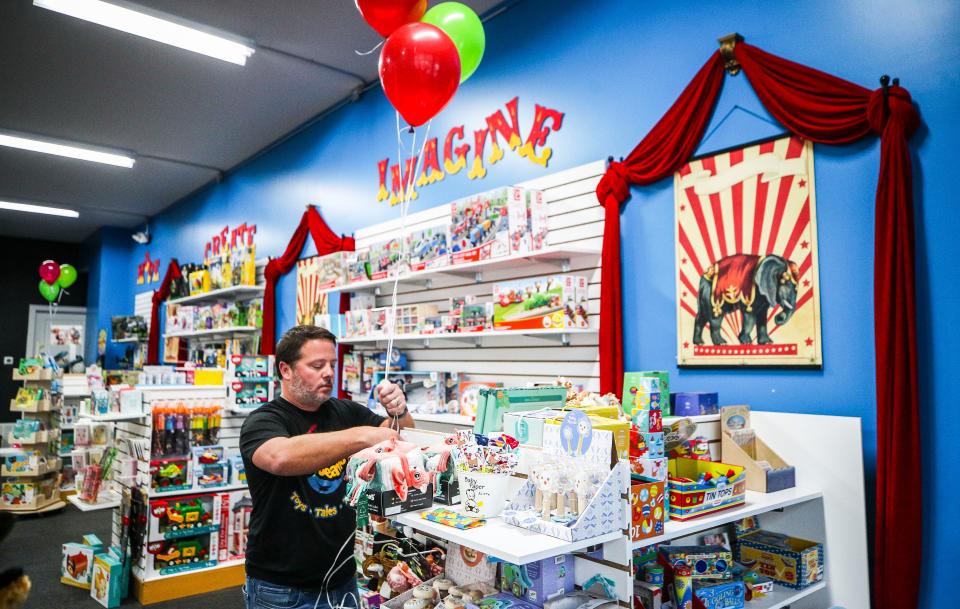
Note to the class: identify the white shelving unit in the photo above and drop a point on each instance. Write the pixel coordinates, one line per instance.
(237, 292)
(105, 501)
(561, 335)
(213, 332)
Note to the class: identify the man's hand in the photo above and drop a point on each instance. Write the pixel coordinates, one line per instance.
(392, 399)
(375, 435)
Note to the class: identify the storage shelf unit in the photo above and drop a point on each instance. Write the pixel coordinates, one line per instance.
(237, 292)
(213, 332)
(106, 501)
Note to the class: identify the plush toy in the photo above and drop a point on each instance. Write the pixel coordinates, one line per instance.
(401, 578)
(389, 465)
(14, 588)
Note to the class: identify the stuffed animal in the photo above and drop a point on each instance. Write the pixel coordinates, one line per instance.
(14, 588)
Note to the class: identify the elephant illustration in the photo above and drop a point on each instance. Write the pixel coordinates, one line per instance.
(751, 284)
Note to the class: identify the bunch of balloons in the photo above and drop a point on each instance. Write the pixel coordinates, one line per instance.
(54, 277)
(427, 55)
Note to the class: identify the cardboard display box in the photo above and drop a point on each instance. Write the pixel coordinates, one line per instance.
(690, 498)
(766, 471)
(790, 561)
(388, 503)
(540, 580)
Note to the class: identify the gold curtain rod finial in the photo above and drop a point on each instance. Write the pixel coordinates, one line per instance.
(727, 44)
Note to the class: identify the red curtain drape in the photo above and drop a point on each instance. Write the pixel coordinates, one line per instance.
(161, 294)
(327, 242)
(825, 109)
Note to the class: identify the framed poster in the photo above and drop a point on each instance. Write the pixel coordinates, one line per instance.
(748, 289)
(316, 275)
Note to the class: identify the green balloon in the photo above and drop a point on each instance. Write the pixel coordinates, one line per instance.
(68, 275)
(49, 290)
(463, 26)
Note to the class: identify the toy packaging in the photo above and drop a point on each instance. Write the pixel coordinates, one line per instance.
(170, 556)
(480, 226)
(355, 266)
(538, 581)
(107, 580)
(647, 595)
(766, 471)
(429, 247)
(647, 510)
(535, 304)
(184, 516)
(235, 508)
(324, 272)
(527, 426)
(389, 478)
(691, 404)
(705, 562)
(211, 469)
(494, 402)
(518, 217)
(619, 429)
(76, 566)
(170, 474)
(384, 259)
(646, 390)
(702, 487)
(720, 594)
(469, 392)
(790, 561)
(537, 215)
(250, 392)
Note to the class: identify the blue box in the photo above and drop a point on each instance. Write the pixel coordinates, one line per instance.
(693, 403)
(538, 581)
(654, 442)
(107, 581)
(721, 595)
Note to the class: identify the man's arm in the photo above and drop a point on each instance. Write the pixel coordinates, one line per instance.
(395, 402)
(306, 454)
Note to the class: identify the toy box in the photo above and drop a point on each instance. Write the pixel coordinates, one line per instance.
(251, 366)
(537, 216)
(619, 429)
(357, 323)
(235, 508)
(211, 469)
(527, 427)
(326, 271)
(640, 389)
(388, 503)
(469, 395)
(536, 303)
(647, 509)
(702, 487)
(505, 601)
(238, 472)
(250, 392)
(494, 402)
(649, 470)
(429, 247)
(199, 282)
(107, 580)
(647, 595)
(170, 474)
(518, 218)
(480, 226)
(76, 564)
(766, 471)
(720, 595)
(169, 556)
(384, 259)
(790, 561)
(691, 404)
(705, 562)
(538, 581)
(184, 516)
(355, 266)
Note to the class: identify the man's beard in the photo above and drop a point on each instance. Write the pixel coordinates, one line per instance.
(304, 395)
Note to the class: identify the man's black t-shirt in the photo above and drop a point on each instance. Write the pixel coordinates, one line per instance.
(299, 523)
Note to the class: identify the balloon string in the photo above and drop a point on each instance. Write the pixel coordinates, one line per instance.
(362, 53)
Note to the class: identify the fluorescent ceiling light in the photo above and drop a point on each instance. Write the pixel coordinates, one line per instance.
(50, 146)
(154, 25)
(39, 209)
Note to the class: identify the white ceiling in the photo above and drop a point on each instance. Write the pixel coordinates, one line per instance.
(187, 117)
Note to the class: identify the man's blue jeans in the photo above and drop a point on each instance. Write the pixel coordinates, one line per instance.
(264, 595)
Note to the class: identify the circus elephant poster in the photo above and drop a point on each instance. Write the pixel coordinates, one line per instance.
(748, 289)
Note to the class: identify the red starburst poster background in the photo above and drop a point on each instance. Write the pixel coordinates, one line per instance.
(748, 290)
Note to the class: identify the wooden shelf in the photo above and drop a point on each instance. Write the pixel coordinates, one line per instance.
(41, 374)
(46, 505)
(51, 466)
(756, 503)
(237, 292)
(161, 588)
(560, 254)
(44, 405)
(212, 332)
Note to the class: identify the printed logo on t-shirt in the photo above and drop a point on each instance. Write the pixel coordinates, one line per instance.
(328, 479)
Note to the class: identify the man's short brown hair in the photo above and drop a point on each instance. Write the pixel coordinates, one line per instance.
(291, 343)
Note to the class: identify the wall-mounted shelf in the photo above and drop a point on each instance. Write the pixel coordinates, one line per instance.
(114, 416)
(560, 256)
(237, 292)
(213, 332)
(132, 339)
(106, 500)
(561, 335)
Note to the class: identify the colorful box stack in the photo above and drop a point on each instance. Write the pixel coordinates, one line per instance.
(643, 402)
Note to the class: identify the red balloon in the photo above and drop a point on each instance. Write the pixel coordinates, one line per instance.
(49, 271)
(419, 71)
(386, 16)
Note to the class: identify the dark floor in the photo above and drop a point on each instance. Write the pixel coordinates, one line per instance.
(34, 544)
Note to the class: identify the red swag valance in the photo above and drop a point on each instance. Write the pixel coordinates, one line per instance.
(828, 110)
(161, 294)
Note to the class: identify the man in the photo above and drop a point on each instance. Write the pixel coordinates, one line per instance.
(295, 451)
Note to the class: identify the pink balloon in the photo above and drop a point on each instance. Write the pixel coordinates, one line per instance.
(49, 271)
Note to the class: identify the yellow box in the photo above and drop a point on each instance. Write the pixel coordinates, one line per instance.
(620, 429)
(607, 412)
(203, 376)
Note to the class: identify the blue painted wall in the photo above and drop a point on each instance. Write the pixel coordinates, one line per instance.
(110, 290)
(614, 67)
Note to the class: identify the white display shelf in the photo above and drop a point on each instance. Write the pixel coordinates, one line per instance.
(784, 597)
(448, 418)
(132, 339)
(114, 416)
(502, 540)
(198, 491)
(105, 500)
(560, 333)
(236, 292)
(212, 332)
(561, 255)
(756, 503)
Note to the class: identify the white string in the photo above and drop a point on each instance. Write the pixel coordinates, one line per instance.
(325, 587)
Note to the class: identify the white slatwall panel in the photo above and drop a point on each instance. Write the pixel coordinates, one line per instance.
(575, 221)
(143, 305)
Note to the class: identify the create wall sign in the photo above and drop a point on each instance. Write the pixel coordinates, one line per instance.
(228, 239)
(459, 150)
(748, 288)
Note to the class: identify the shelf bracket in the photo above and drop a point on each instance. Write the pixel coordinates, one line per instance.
(563, 338)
